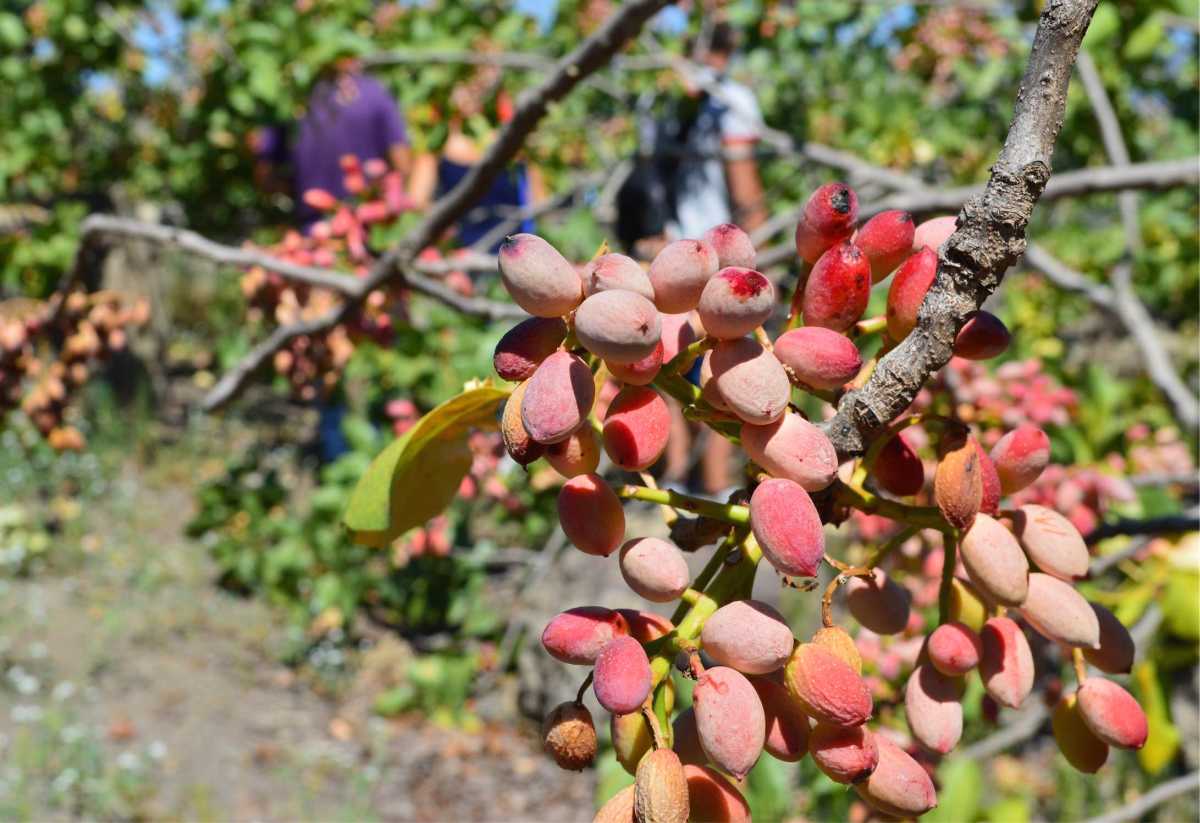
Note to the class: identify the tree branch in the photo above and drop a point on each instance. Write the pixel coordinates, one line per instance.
(1016, 730)
(1160, 794)
(1167, 524)
(1165, 174)
(98, 227)
(920, 199)
(423, 57)
(591, 55)
(1065, 277)
(1127, 306)
(990, 236)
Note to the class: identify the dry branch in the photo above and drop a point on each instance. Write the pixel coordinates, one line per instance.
(1126, 305)
(1136, 810)
(990, 236)
(98, 230)
(1166, 174)
(1167, 524)
(921, 199)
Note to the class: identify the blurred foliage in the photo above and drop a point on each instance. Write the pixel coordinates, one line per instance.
(272, 535)
(117, 105)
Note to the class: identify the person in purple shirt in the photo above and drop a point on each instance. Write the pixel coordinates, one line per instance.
(348, 112)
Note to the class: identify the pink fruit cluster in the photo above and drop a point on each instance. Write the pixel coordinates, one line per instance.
(312, 364)
(79, 330)
(608, 342)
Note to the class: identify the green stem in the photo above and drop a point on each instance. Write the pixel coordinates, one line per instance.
(729, 512)
(887, 548)
(695, 407)
(682, 390)
(659, 718)
(682, 361)
(927, 517)
(706, 574)
(729, 584)
(949, 560)
(872, 325)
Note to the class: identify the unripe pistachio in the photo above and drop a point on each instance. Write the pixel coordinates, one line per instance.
(661, 789)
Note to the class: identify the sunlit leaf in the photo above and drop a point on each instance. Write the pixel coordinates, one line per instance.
(1180, 606)
(962, 789)
(1163, 742)
(1145, 39)
(415, 477)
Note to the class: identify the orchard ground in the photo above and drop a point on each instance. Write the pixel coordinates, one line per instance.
(133, 687)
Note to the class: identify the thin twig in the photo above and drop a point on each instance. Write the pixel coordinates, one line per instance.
(1102, 564)
(97, 230)
(920, 199)
(1128, 307)
(1164, 174)
(1017, 730)
(533, 211)
(1188, 521)
(109, 226)
(1160, 794)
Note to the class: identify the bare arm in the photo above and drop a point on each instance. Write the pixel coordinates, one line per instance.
(400, 157)
(537, 184)
(745, 186)
(423, 180)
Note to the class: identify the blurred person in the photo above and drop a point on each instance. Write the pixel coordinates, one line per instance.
(476, 108)
(704, 173)
(717, 178)
(702, 170)
(348, 113)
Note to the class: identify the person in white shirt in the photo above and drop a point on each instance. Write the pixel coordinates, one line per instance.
(717, 178)
(716, 181)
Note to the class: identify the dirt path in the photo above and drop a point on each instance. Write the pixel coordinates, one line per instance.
(132, 688)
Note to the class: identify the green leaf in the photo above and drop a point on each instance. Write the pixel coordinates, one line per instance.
(962, 788)
(1145, 39)
(1163, 741)
(12, 31)
(1180, 606)
(1105, 23)
(415, 477)
(1009, 810)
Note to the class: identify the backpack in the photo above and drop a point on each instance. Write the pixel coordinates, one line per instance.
(646, 199)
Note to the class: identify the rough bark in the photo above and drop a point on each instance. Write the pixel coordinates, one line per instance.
(990, 236)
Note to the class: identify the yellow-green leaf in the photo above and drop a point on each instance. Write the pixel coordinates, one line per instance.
(962, 789)
(1180, 606)
(1163, 741)
(416, 476)
(1106, 22)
